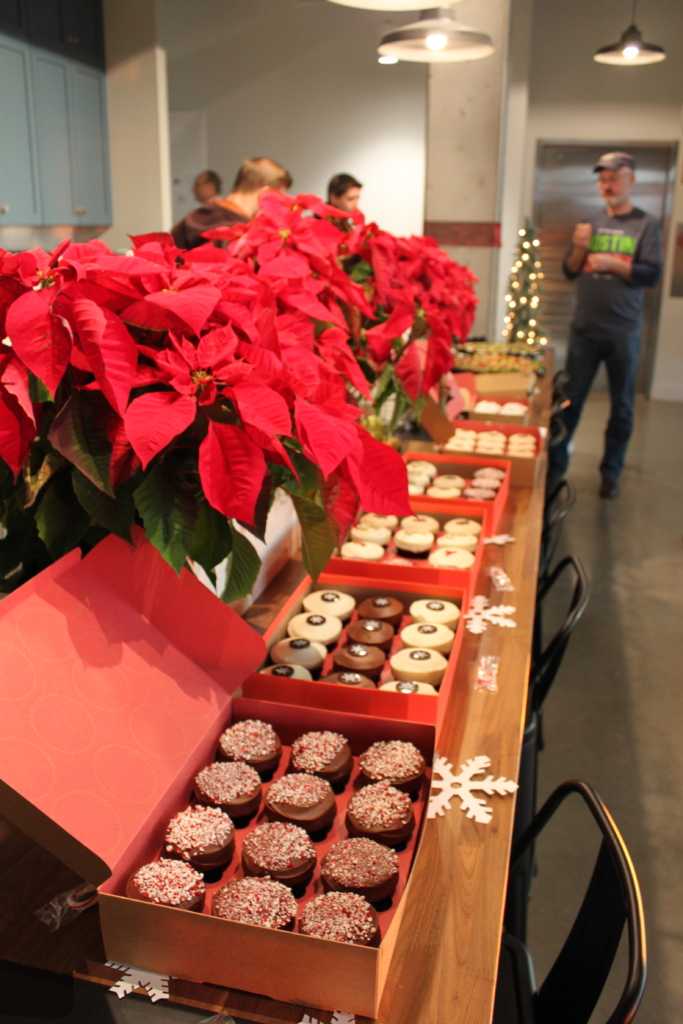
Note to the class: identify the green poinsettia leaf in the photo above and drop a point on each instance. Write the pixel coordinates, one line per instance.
(243, 567)
(79, 433)
(60, 519)
(115, 514)
(169, 513)
(318, 538)
(261, 509)
(37, 390)
(212, 541)
(361, 272)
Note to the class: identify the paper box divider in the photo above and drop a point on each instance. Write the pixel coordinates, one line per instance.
(107, 699)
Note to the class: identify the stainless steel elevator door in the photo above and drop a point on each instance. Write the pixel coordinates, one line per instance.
(565, 191)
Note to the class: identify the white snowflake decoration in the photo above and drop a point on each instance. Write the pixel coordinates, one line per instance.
(463, 786)
(337, 1018)
(500, 539)
(480, 614)
(155, 985)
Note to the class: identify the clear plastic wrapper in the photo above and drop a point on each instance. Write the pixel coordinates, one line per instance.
(67, 906)
(499, 578)
(220, 1018)
(487, 673)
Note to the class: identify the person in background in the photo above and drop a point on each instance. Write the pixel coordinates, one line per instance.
(254, 178)
(343, 191)
(207, 186)
(614, 254)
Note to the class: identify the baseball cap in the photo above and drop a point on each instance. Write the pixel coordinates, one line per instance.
(613, 161)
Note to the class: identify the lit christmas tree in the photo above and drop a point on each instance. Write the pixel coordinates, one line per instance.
(521, 321)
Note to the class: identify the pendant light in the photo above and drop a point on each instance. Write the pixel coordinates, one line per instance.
(630, 49)
(437, 38)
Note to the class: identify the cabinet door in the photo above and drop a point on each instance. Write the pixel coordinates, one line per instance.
(19, 196)
(50, 77)
(89, 146)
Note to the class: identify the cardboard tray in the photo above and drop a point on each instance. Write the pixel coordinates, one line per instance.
(508, 384)
(401, 567)
(522, 471)
(408, 707)
(499, 417)
(462, 465)
(283, 965)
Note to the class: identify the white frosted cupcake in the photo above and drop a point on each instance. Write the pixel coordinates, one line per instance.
(448, 480)
(420, 524)
(414, 490)
(371, 534)
(479, 494)
(514, 409)
(432, 636)
(418, 664)
(409, 686)
(444, 493)
(457, 541)
(462, 525)
(432, 609)
(442, 558)
(287, 671)
(324, 629)
(459, 444)
(489, 471)
(419, 479)
(364, 551)
(329, 602)
(420, 466)
(372, 519)
(485, 405)
(413, 545)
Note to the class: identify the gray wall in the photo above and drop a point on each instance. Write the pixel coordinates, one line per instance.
(298, 80)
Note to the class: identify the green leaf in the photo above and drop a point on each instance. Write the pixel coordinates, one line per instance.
(318, 536)
(169, 513)
(115, 514)
(60, 519)
(361, 272)
(308, 480)
(79, 433)
(212, 541)
(243, 567)
(261, 509)
(37, 390)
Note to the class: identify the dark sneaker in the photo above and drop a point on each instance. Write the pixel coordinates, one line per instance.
(609, 488)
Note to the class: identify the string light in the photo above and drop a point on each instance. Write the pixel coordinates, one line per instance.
(520, 323)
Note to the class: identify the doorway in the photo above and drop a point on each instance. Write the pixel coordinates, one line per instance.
(564, 192)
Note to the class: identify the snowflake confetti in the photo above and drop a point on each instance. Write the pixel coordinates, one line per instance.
(500, 539)
(337, 1018)
(481, 614)
(133, 978)
(464, 786)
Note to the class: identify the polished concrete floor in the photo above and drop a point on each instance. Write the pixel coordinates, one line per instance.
(615, 714)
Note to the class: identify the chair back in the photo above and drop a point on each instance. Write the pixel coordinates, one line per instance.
(547, 660)
(574, 983)
(559, 502)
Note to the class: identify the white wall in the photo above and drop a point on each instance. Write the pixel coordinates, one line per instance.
(298, 80)
(571, 98)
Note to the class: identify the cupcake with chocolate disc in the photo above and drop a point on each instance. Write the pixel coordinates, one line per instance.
(433, 610)
(363, 658)
(347, 678)
(287, 671)
(329, 602)
(168, 883)
(202, 836)
(420, 664)
(372, 632)
(326, 754)
(323, 629)
(254, 742)
(409, 686)
(386, 609)
(297, 651)
(381, 812)
(301, 799)
(361, 866)
(394, 761)
(258, 901)
(341, 917)
(430, 635)
(280, 851)
(232, 786)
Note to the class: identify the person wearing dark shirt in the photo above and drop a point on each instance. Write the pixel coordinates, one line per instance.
(343, 191)
(254, 178)
(615, 254)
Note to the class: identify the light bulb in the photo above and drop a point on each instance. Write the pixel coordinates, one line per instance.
(532, 334)
(386, 59)
(532, 277)
(507, 319)
(436, 41)
(513, 305)
(536, 241)
(525, 245)
(522, 231)
(543, 341)
(540, 275)
(525, 255)
(631, 51)
(520, 334)
(532, 323)
(507, 298)
(523, 300)
(515, 284)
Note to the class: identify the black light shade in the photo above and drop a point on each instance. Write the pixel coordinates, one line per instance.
(630, 50)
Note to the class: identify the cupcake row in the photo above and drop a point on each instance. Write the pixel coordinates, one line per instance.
(492, 442)
(418, 537)
(424, 478)
(493, 408)
(374, 643)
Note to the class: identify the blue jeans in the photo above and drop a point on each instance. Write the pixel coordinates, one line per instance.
(583, 360)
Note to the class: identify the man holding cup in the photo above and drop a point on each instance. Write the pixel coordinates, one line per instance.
(614, 254)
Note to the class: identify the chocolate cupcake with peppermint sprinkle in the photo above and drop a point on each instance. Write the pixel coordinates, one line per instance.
(258, 901)
(394, 761)
(361, 866)
(253, 742)
(301, 799)
(381, 812)
(232, 786)
(279, 851)
(326, 754)
(168, 883)
(202, 836)
(341, 917)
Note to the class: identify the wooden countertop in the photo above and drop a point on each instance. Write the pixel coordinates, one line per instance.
(444, 966)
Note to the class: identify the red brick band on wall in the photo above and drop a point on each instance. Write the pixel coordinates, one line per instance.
(464, 232)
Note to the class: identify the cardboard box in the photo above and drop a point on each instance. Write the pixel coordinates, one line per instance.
(508, 385)
(117, 682)
(394, 566)
(463, 465)
(499, 417)
(408, 707)
(522, 471)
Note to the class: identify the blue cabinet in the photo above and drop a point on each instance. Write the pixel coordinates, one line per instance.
(54, 168)
(19, 192)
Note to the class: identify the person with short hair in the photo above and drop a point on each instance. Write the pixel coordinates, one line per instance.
(343, 192)
(254, 177)
(207, 186)
(615, 254)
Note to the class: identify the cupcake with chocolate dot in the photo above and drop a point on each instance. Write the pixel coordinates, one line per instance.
(323, 629)
(168, 883)
(301, 799)
(346, 678)
(326, 754)
(287, 671)
(254, 742)
(361, 866)
(394, 761)
(433, 610)
(429, 635)
(280, 851)
(372, 632)
(297, 651)
(420, 664)
(386, 609)
(329, 602)
(202, 836)
(258, 901)
(341, 917)
(381, 812)
(364, 658)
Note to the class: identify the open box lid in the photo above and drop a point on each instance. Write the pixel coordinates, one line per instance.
(112, 672)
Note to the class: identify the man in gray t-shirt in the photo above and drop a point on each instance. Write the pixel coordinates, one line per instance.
(615, 253)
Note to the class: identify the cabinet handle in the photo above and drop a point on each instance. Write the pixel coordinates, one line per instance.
(4, 208)
(81, 209)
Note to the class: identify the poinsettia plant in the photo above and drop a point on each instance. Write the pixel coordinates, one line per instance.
(397, 305)
(178, 390)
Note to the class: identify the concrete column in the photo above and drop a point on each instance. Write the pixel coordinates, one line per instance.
(465, 135)
(137, 98)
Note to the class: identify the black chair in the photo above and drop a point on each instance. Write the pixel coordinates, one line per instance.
(545, 661)
(559, 400)
(559, 502)
(571, 990)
